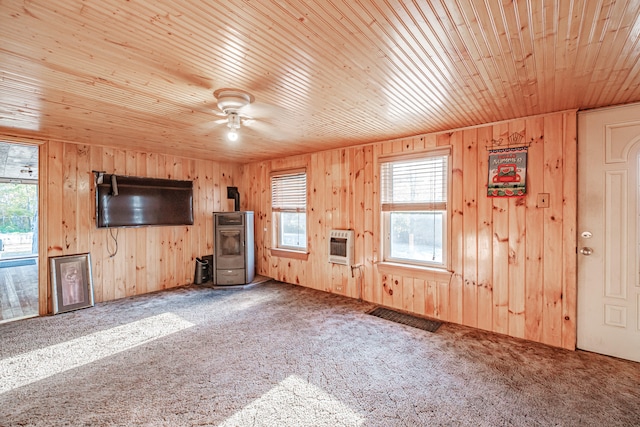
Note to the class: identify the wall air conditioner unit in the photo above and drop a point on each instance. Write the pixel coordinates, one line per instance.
(341, 247)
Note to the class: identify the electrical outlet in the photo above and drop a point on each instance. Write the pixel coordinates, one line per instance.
(543, 200)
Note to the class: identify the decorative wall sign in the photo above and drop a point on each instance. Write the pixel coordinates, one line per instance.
(507, 172)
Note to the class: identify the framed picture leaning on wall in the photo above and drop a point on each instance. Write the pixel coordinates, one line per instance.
(71, 283)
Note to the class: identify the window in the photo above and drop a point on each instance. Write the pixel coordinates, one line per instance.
(289, 207)
(413, 200)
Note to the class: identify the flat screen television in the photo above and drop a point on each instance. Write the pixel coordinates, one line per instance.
(127, 201)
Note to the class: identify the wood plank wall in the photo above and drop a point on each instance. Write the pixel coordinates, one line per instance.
(513, 264)
(148, 258)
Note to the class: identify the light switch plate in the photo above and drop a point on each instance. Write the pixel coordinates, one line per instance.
(543, 200)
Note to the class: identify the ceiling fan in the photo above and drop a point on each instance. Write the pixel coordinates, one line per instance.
(231, 102)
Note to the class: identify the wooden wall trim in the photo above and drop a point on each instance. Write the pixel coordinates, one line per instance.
(22, 139)
(44, 300)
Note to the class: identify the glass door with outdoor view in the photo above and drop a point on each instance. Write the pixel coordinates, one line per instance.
(18, 231)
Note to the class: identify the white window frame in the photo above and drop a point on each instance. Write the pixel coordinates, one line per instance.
(389, 205)
(288, 195)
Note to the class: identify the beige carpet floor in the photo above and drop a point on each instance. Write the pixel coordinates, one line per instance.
(280, 355)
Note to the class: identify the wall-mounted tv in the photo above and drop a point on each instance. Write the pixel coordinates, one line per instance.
(127, 201)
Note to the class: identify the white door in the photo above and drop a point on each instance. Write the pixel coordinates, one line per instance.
(608, 218)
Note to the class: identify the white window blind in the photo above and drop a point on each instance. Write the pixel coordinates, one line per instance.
(414, 184)
(289, 192)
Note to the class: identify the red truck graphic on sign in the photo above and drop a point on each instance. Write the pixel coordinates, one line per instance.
(507, 173)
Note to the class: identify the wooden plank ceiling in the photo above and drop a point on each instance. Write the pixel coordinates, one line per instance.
(141, 74)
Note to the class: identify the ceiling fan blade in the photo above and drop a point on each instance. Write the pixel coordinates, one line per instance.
(209, 125)
(262, 110)
(266, 129)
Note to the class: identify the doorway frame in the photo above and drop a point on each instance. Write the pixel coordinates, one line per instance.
(44, 303)
(632, 155)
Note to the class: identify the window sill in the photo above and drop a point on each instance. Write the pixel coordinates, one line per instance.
(288, 253)
(422, 272)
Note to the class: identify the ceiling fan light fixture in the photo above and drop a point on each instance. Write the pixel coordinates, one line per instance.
(230, 102)
(233, 122)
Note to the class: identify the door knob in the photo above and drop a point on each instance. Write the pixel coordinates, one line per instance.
(586, 251)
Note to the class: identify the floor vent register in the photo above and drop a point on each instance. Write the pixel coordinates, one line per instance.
(406, 319)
